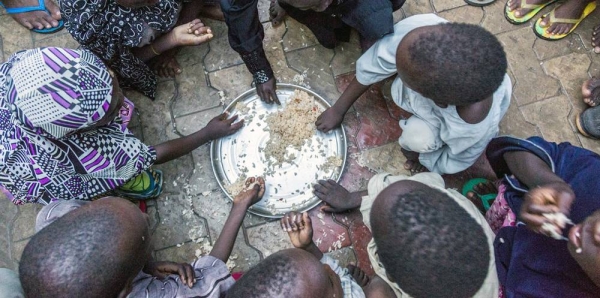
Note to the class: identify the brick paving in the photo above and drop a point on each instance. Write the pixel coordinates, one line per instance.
(188, 217)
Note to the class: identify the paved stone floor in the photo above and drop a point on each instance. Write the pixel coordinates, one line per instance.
(188, 217)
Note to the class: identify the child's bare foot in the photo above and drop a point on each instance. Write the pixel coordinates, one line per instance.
(481, 189)
(515, 5)
(35, 19)
(412, 163)
(252, 193)
(166, 64)
(359, 276)
(277, 13)
(571, 9)
(596, 39)
(591, 91)
(338, 199)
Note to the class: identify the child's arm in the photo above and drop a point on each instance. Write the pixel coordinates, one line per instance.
(299, 228)
(217, 127)
(333, 117)
(548, 193)
(255, 189)
(192, 33)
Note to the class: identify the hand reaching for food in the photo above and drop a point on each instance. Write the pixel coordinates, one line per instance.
(546, 208)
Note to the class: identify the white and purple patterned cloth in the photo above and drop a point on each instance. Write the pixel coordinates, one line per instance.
(48, 97)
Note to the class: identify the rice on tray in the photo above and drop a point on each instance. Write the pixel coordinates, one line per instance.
(291, 126)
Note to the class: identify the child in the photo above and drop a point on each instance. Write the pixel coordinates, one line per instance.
(127, 34)
(451, 77)
(299, 272)
(541, 177)
(100, 249)
(331, 21)
(428, 241)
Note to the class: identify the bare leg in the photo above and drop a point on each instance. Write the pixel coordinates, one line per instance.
(277, 13)
(213, 12)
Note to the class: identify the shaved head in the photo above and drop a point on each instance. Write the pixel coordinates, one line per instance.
(92, 251)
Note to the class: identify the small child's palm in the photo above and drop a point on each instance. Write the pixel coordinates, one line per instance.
(193, 33)
(299, 228)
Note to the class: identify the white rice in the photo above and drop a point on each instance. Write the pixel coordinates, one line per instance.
(292, 126)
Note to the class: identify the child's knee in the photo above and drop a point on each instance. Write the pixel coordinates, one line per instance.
(417, 136)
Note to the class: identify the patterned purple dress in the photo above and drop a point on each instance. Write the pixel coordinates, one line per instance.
(49, 99)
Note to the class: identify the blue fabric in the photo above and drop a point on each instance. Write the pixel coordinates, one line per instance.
(533, 265)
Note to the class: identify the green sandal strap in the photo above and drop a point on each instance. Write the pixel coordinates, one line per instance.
(488, 200)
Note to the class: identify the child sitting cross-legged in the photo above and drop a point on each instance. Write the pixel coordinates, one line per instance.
(451, 77)
(103, 249)
(298, 272)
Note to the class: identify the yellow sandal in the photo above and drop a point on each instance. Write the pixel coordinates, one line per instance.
(541, 31)
(535, 8)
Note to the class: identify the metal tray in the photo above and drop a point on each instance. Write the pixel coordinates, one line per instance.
(289, 187)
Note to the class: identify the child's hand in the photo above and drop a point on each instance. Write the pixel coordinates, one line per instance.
(299, 228)
(252, 193)
(329, 120)
(220, 126)
(162, 269)
(191, 34)
(548, 199)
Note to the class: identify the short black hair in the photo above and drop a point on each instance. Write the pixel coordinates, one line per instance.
(276, 276)
(459, 64)
(431, 246)
(77, 256)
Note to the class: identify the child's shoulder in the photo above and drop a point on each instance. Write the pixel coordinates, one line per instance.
(477, 112)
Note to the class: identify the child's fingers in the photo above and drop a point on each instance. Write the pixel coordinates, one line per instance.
(223, 116)
(249, 181)
(189, 271)
(199, 29)
(281, 223)
(183, 274)
(236, 126)
(536, 209)
(194, 22)
(293, 221)
(306, 219)
(284, 223)
(231, 120)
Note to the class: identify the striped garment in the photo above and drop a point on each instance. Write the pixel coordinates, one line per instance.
(50, 98)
